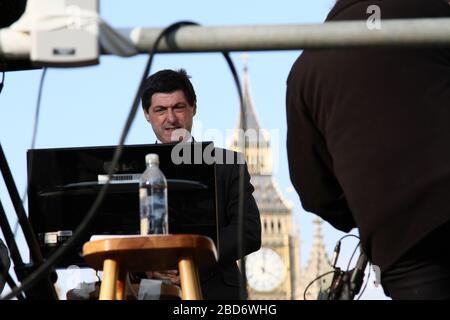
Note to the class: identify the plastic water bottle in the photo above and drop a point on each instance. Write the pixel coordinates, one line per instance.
(153, 198)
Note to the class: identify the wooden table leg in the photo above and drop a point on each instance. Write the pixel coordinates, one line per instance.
(109, 281)
(190, 283)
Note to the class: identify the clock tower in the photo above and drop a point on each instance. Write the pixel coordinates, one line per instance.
(272, 272)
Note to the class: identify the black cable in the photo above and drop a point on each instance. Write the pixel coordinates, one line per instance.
(351, 257)
(33, 140)
(310, 284)
(337, 249)
(82, 228)
(17, 202)
(347, 236)
(241, 184)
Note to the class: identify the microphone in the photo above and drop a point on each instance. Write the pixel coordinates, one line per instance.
(357, 277)
(336, 252)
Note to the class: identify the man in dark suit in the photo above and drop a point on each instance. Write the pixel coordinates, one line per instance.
(169, 105)
(369, 147)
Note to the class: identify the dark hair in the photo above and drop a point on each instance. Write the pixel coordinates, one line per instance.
(167, 81)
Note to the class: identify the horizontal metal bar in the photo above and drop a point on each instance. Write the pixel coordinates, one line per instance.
(397, 33)
(340, 34)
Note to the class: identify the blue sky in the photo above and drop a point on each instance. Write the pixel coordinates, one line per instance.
(88, 106)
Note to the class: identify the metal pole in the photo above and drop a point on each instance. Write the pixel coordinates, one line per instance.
(9, 238)
(44, 289)
(336, 34)
(30, 238)
(399, 33)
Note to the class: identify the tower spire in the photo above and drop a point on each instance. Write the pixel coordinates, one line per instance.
(318, 263)
(256, 140)
(251, 119)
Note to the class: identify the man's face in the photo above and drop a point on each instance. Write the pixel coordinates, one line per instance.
(169, 112)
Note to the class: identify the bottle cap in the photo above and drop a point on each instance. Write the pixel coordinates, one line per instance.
(152, 158)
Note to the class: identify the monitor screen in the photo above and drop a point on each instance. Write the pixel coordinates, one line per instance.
(64, 183)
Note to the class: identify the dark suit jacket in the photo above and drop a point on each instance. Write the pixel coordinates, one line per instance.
(369, 134)
(222, 281)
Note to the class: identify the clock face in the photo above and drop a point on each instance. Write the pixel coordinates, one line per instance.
(265, 270)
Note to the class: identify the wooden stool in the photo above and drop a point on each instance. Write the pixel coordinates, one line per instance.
(118, 256)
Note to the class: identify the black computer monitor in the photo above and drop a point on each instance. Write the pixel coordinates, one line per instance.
(64, 183)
